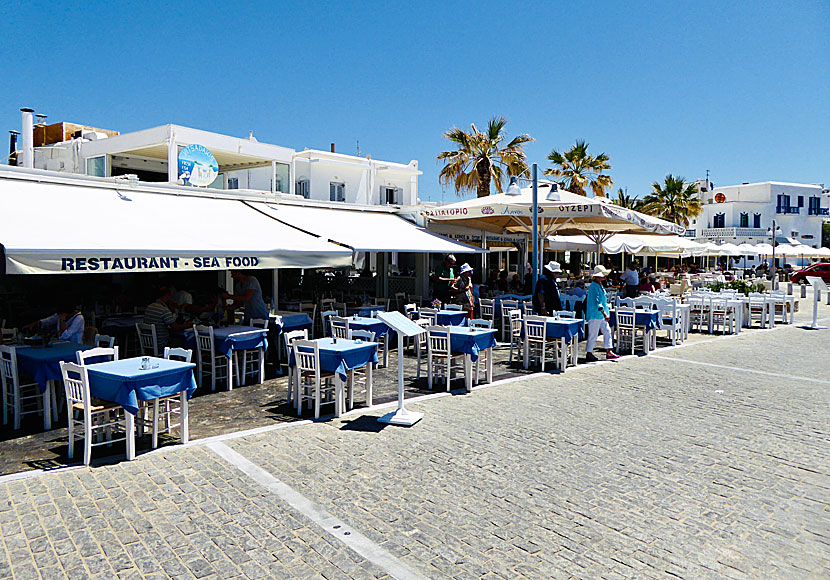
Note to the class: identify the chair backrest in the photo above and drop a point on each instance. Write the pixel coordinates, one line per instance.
(480, 323)
(293, 335)
(487, 307)
(179, 354)
(515, 318)
(339, 326)
(75, 383)
(430, 314)
(147, 338)
(625, 302)
(362, 334)
(7, 335)
(102, 340)
(535, 327)
(340, 307)
(83, 355)
(416, 299)
(324, 319)
(8, 365)
(203, 336)
(259, 322)
(327, 303)
(410, 310)
(625, 318)
(564, 314)
(381, 301)
(452, 307)
(527, 307)
(509, 304)
(438, 339)
(306, 355)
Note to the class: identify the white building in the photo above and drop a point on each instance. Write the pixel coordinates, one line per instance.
(244, 163)
(745, 213)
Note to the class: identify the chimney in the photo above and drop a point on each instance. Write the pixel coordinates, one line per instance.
(40, 120)
(27, 155)
(332, 147)
(13, 147)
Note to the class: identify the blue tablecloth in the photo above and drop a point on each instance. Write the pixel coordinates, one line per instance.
(471, 340)
(117, 324)
(44, 363)
(371, 324)
(344, 355)
(650, 319)
(288, 321)
(452, 317)
(367, 310)
(564, 328)
(225, 341)
(123, 382)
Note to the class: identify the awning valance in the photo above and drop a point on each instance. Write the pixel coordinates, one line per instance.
(56, 227)
(362, 230)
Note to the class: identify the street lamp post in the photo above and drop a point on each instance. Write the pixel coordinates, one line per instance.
(534, 264)
(773, 231)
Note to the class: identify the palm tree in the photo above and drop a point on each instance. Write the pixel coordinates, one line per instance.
(674, 200)
(480, 158)
(627, 201)
(580, 170)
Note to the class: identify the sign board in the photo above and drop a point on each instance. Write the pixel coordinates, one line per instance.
(819, 286)
(197, 166)
(720, 198)
(400, 324)
(817, 283)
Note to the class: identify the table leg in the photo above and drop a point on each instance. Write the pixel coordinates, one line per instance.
(489, 365)
(338, 395)
(230, 371)
(468, 372)
(563, 354)
(184, 418)
(47, 406)
(280, 339)
(130, 435)
(369, 367)
(261, 365)
(386, 350)
(526, 352)
(155, 420)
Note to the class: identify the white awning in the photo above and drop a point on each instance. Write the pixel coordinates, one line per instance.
(363, 230)
(61, 227)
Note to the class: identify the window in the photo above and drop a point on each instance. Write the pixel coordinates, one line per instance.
(283, 177)
(814, 205)
(337, 191)
(744, 220)
(756, 220)
(719, 220)
(97, 166)
(783, 203)
(233, 183)
(301, 188)
(800, 201)
(389, 195)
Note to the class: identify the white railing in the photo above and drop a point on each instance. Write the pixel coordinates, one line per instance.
(716, 233)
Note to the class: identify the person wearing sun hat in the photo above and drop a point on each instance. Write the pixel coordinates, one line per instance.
(596, 316)
(546, 297)
(463, 288)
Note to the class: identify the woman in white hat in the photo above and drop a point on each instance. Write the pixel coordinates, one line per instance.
(596, 317)
(463, 288)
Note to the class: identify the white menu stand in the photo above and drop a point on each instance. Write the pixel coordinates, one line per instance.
(404, 328)
(818, 286)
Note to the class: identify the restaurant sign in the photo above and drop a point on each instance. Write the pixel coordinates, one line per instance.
(197, 166)
(21, 263)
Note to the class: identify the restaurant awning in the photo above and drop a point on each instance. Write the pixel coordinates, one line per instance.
(52, 225)
(362, 230)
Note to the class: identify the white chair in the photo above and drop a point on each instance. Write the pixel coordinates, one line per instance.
(147, 339)
(421, 346)
(339, 327)
(327, 304)
(722, 315)
(430, 314)
(166, 408)
(400, 300)
(453, 307)
(537, 340)
(208, 361)
(324, 320)
(410, 310)
(102, 340)
(8, 335)
(313, 385)
(360, 376)
(515, 318)
(101, 419)
(487, 309)
(311, 309)
(83, 355)
(483, 356)
(672, 321)
(698, 313)
(628, 334)
(439, 354)
(18, 398)
(288, 338)
(563, 314)
(260, 323)
(527, 308)
(481, 323)
(253, 359)
(507, 306)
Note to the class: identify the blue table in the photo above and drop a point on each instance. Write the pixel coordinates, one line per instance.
(367, 310)
(124, 382)
(649, 319)
(452, 317)
(564, 329)
(342, 357)
(471, 342)
(231, 339)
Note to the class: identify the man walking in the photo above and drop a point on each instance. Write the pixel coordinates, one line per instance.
(596, 317)
(546, 298)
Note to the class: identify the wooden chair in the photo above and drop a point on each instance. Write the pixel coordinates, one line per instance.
(515, 318)
(430, 314)
(628, 334)
(147, 339)
(453, 307)
(487, 309)
(421, 347)
(83, 355)
(507, 306)
(324, 320)
(439, 354)
(339, 327)
(100, 418)
(18, 398)
(361, 377)
(102, 340)
(313, 385)
(537, 340)
(208, 361)
(288, 338)
(166, 408)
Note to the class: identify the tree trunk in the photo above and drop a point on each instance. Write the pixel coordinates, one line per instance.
(483, 170)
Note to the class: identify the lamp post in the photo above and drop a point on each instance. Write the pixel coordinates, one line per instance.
(773, 231)
(514, 189)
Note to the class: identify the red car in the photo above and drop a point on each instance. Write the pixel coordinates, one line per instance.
(818, 270)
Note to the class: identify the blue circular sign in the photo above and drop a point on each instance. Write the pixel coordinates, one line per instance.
(197, 166)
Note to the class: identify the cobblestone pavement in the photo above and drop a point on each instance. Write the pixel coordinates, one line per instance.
(707, 461)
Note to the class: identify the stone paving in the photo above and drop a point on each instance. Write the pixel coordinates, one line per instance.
(706, 461)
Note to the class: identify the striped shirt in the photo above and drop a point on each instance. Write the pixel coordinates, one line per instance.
(158, 313)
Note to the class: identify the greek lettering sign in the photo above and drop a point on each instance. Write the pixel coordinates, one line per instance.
(197, 166)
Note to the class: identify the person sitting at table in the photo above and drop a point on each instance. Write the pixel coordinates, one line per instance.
(546, 298)
(632, 281)
(247, 293)
(67, 323)
(463, 288)
(502, 283)
(516, 284)
(597, 317)
(648, 285)
(160, 314)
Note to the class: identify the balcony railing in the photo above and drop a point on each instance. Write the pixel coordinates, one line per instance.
(718, 233)
(788, 210)
(819, 211)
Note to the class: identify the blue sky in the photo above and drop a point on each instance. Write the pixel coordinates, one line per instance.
(738, 88)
